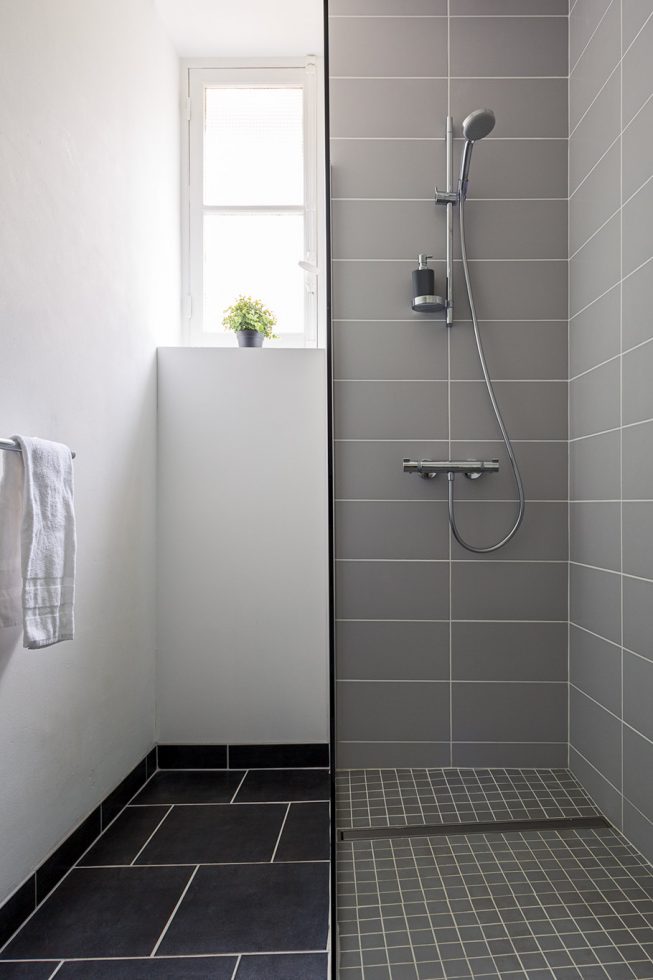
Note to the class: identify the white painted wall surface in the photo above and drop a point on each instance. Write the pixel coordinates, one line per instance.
(242, 642)
(88, 288)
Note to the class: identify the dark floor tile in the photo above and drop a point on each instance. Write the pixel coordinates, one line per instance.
(305, 834)
(312, 966)
(201, 968)
(192, 756)
(259, 908)
(123, 793)
(16, 909)
(284, 785)
(27, 971)
(279, 756)
(102, 912)
(215, 834)
(177, 786)
(58, 864)
(123, 840)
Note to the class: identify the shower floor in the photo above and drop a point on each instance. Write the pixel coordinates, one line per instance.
(396, 797)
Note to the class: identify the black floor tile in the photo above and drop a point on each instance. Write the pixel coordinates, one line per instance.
(201, 968)
(279, 756)
(284, 785)
(27, 971)
(123, 840)
(102, 912)
(123, 793)
(305, 834)
(215, 834)
(252, 909)
(307, 966)
(14, 911)
(177, 786)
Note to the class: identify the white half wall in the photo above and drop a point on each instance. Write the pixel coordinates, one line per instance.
(89, 217)
(242, 609)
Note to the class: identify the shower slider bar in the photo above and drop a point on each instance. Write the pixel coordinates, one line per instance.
(428, 469)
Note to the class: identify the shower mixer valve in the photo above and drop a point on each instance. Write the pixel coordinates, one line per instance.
(428, 469)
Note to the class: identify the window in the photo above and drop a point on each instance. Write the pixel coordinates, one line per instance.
(252, 191)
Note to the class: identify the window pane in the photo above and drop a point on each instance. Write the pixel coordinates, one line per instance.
(253, 146)
(257, 255)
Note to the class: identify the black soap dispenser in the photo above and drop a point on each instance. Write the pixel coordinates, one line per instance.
(424, 297)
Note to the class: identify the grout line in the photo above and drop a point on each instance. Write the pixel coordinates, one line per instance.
(232, 800)
(233, 975)
(591, 38)
(164, 817)
(56, 970)
(283, 824)
(174, 911)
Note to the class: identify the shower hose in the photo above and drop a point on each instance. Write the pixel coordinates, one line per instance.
(497, 411)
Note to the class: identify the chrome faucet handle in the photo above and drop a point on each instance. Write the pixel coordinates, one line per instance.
(446, 197)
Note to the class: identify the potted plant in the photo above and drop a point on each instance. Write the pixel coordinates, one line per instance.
(250, 321)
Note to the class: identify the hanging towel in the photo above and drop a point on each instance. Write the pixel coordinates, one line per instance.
(47, 543)
(11, 514)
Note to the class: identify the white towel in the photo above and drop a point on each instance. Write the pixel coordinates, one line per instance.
(47, 540)
(11, 514)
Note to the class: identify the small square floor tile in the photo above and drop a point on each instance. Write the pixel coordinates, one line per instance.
(27, 971)
(215, 835)
(252, 908)
(305, 834)
(97, 912)
(284, 785)
(180, 786)
(197, 968)
(122, 841)
(298, 966)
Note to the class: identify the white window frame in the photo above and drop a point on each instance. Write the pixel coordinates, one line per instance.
(196, 77)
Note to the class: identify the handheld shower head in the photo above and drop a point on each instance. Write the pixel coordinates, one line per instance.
(476, 126)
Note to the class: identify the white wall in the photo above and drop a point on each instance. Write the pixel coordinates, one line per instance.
(242, 644)
(88, 288)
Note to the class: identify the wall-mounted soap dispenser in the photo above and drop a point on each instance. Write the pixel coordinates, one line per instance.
(425, 299)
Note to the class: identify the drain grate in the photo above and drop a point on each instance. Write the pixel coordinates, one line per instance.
(475, 827)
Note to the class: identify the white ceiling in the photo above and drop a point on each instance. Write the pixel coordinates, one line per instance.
(243, 28)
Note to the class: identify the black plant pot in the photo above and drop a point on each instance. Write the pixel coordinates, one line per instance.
(249, 338)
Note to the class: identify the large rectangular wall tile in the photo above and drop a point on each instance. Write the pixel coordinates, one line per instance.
(595, 64)
(638, 761)
(518, 168)
(595, 668)
(637, 245)
(544, 755)
(638, 829)
(530, 107)
(386, 710)
(414, 529)
(385, 47)
(514, 350)
(637, 82)
(638, 603)
(584, 18)
(378, 291)
(595, 601)
(393, 107)
(595, 268)
(606, 796)
(392, 590)
(638, 538)
(594, 467)
(595, 533)
(595, 133)
(393, 168)
(596, 199)
(391, 410)
(387, 8)
(594, 401)
(535, 410)
(594, 333)
(509, 651)
(505, 290)
(638, 685)
(505, 8)
(374, 471)
(543, 466)
(596, 734)
(518, 46)
(387, 229)
(542, 536)
(509, 590)
(405, 350)
(393, 651)
(503, 229)
(392, 755)
(637, 323)
(512, 712)
(637, 141)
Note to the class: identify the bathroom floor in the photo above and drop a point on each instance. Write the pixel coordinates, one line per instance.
(206, 874)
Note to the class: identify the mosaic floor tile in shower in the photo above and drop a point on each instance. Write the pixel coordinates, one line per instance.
(396, 797)
(548, 905)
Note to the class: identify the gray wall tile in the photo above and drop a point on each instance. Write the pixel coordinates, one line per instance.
(390, 409)
(416, 529)
(594, 334)
(509, 651)
(638, 151)
(531, 410)
(370, 710)
(638, 829)
(595, 601)
(368, 349)
(542, 536)
(428, 8)
(637, 388)
(595, 470)
(377, 290)
(638, 461)
(596, 199)
(596, 131)
(595, 533)
(547, 755)
(638, 764)
(393, 651)
(594, 401)
(506, 290)
(595, 668)
(638, 684)
(392, 590)
(543, 467)
(373, 471)
(387, 107)
(507, 7)
(606, 797)
(518, 168)
(637, 244)
(520, 46)
(637, 82)
(638, 603)
(595, 267)
(596, 734)
(509, 712)
(504, 229)
(384, 755)
(396, 46)
(514, 350)
(595, 64)
(584, 18)
(530, 107)
(387, 229)
(387, 168)
(635, 14)
(509, 590)
(637, 322)
(638, 538)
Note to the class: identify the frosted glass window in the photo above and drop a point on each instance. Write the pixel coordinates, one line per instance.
(253, 146)
(255, 255)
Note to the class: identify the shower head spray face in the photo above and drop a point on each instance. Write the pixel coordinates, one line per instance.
(476, 126)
